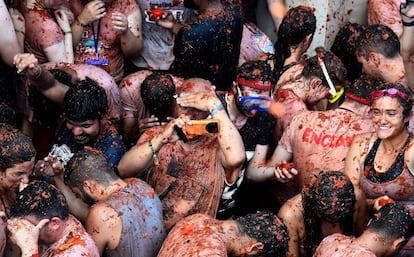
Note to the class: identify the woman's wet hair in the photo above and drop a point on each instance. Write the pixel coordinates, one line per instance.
(331, 198)
(157, 93)
(344, 47)
(298, 23)
(15, 147)
(405, 103)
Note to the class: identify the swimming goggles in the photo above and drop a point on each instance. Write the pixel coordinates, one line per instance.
(332, 91)
(258, 103)
(393, 92)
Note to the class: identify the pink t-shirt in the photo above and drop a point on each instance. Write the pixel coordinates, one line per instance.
(338, 245)
(109, 38)
(42, 31)
(319, 141)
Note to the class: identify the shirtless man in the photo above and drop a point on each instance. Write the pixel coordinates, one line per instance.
(42, 226)
(388, 231)
(259, 234)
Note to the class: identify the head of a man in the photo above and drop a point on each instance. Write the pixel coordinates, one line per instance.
(193, 85)
(85, 105)
(331, 199)
(86, 172)
(394, 226)
(316, 80)
(17, 156)
(39, 200)
(267, 230)
(376, 42)
(359, 92)
(254, 81)
(157, 93)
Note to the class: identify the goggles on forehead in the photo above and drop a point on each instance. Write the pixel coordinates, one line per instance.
(332, 91)
(393, 92)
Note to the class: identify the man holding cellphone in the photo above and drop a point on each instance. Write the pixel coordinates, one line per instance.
(189, 177)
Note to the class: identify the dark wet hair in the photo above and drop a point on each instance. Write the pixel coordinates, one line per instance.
(362, 88)
(406, 104)
(344, 47)
(89, 164)
(332, 198)
(298, 23)
(85, 101)
(378, 38)
(392, 221)
(267, 228)
(15, 147)
(256, 69)
(157, 93)
(8, 115)
(336, 69)
(42, 200)
(46, 111)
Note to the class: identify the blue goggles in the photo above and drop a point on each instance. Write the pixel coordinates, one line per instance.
(258, 103)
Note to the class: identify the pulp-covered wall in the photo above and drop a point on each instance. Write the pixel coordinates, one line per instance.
(330, 16)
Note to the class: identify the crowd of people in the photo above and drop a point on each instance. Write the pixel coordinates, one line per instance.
(179, 128)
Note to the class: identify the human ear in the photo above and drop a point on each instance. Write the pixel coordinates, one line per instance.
(89, 186)
(374, 58)
(254, 248)
(398, 243)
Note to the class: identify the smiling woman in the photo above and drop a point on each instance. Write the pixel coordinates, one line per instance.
(380, 164)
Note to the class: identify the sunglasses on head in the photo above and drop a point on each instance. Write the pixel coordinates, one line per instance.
(393, 92)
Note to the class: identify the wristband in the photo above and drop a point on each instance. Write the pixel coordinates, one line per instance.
(19, 31)
(154, 154)
(80, 23)
(215, 110)
(67, 32)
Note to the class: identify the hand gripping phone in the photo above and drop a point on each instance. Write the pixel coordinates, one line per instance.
(198, 127)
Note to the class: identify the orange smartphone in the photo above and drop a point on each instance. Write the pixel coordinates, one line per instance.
(202, 127)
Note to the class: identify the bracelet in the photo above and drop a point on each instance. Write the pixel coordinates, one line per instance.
(154, 154)
(67, 32)
(215, 110)
(80, 23)
(19, 31)
(35, 255)
(408, 24)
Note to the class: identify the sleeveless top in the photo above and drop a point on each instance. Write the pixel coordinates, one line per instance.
(142, 222)
(397, 183)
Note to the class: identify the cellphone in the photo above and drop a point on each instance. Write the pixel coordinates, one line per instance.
(62, 153)
(202, 127)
